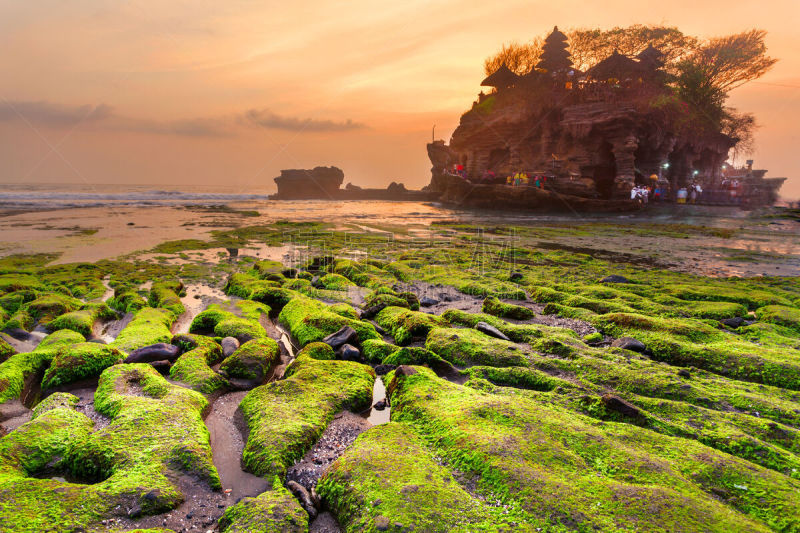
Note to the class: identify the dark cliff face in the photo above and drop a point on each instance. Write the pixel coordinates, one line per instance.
(607, 140)
(318, 183)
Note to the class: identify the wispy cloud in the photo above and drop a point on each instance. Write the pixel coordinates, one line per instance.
(52, 114)
(267, 119)
(58, 116)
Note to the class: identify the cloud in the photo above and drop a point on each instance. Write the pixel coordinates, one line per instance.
(102, 116)
(52, 114)
(267, 119)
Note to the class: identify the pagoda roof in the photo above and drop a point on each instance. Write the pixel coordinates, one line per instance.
(651, 56)
(614, 66)
(556, 35)
(501, 78)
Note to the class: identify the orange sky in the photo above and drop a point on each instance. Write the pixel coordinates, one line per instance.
(228, 93)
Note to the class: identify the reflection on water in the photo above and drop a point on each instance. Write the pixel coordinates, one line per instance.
(378, 393)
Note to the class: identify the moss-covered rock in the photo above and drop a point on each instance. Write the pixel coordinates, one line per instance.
(310, 321)
(319, 350)
(782, 315)
(126, 299)
(47, 307)
(405, 325)
(286, 417)
(193, 367)
(572, 471)
(273, 511)
(6, 350)
(335, 282)
(22, 367)
(83, 320)
(149, 326)
(376, 350)
(240, 320)
(495, 307)
(252, 360)
(372, 487)
(166, 295)
(468, 347)
(80, 361)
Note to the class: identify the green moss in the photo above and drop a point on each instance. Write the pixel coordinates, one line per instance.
(335, 282)
(269, 270)
(376, 350)
(273, 511)
(405, 324)
(6, 350)
(80, 361)
(782, 315)
(468, 347)
(13, 301)
(309, 321)
(22, 367)
(193, 367)
(320, 351)
(82, 321)
(45, 308)
(373, 488)
(166, 295)
(412, 356)
(57, 400)
(549, 462)
(515, 376)
(149, 326)
(252, 360)
(495, 307)
(286, 417)
(126, 300)
(19, 282)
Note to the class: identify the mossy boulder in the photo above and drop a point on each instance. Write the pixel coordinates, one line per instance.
(286, 417)
(468, 347)
(493, 306)
(166, 295)
(311, 321)
(782, 315)
(335, 282)
(47, 307)
(240, 320)
(320, 351)
(83, 320)
(149, 326)
(273, 511)
(372, 487)
(6, 350)
(252, 360)
(23, 367)
(193, 367)
(376, 350)
(80, 361)
(126, 299)
(547, 463)
(405, 325)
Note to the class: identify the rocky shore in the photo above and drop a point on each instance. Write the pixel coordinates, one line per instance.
(527, 388)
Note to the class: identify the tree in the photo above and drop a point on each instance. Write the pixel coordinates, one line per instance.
(728, 62)
(590, 46)
(519, 58)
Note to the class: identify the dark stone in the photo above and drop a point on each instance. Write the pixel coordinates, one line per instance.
(381, 523)
(684, 373)
(229, 345)
(490, 330)
(371, 311)
(426, 301)
(304, 497)
(162, 367)
(382, 370)
(155, 352)
(135, 511)
(515, 276)
(131, 224)
(348, 352)
(346, 335)
(618, 405)
(614, 278)
(315, 283)
(405, 370)
(380, 405)
(19, 334)
(733, 323)
(378, 328)
(629, 343)
(289, 272)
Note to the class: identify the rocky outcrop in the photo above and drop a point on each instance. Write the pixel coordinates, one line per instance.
(318, 183)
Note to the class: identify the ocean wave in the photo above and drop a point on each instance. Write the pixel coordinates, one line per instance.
(59, 199)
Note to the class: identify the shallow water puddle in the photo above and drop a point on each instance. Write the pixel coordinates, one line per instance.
(227, 444)
(379, 394)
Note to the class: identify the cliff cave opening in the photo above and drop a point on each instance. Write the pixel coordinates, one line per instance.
(605, 170)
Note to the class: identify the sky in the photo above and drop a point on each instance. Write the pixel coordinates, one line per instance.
(225, 94)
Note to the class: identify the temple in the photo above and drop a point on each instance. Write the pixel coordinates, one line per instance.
(592, 135)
